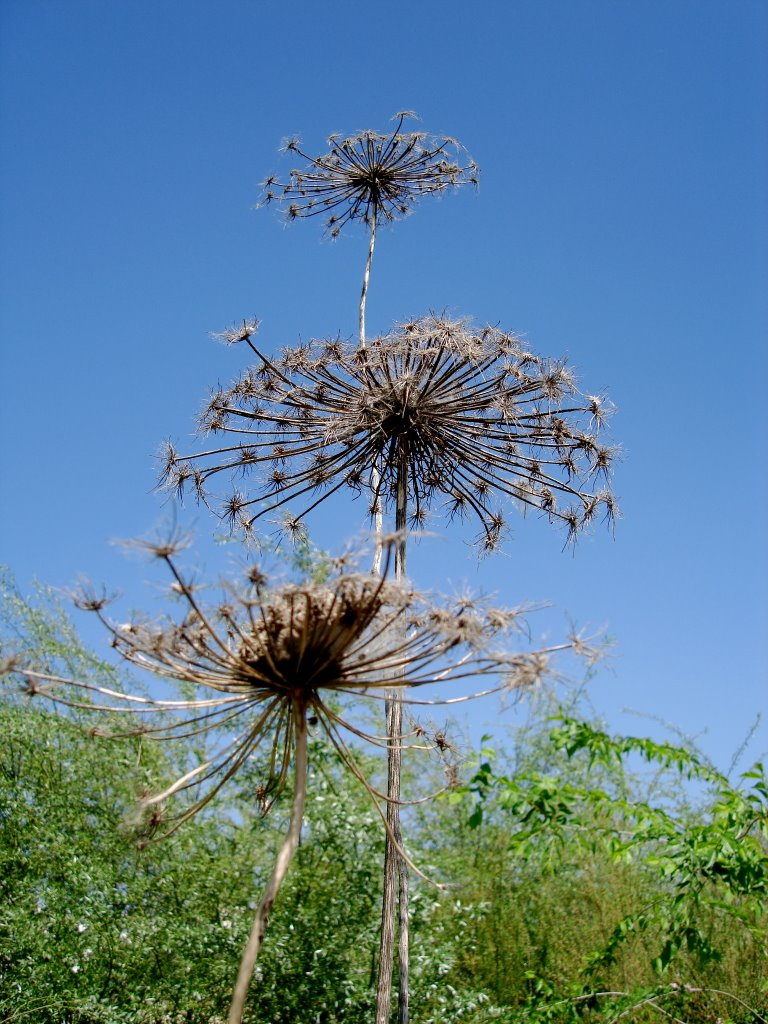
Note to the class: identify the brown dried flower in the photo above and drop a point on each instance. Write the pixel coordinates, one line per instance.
(370, 176)
(265, 660)
(440, 408)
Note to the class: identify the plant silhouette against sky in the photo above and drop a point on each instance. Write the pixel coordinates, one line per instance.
(370, 176)
(469, 418)
(436, 415)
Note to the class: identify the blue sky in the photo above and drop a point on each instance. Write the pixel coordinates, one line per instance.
(622, 220)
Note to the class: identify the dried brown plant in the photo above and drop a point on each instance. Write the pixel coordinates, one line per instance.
(374, 177)
(446, 412)
(265, 660)
(370, 176)
(436, 416)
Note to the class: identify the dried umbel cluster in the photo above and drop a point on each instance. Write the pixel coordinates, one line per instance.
(266, 660)
(370, 176)
(443, 412)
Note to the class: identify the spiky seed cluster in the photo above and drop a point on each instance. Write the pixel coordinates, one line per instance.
(468, 416)
(263, 657)
(370, 176)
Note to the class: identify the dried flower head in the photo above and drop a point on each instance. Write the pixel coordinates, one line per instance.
(265, 661)
(439, 408)
(370, 176)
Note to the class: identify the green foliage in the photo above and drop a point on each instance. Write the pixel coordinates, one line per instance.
(606, 883)
(591, 879)
(94, 929)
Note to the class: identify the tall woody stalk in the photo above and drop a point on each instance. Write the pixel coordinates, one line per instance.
(282, 863)
(394, 863)
(360, 178)
(395, 889)
(446, 414)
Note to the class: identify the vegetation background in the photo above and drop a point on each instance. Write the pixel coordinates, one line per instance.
(591, 878)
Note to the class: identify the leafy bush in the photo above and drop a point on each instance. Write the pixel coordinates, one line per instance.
(593, 879)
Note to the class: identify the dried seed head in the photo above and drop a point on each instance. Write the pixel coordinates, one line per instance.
(269, 656)
(370, 176)
(164, 545)
(87, 598)
(9, 664)
(238, 332)
(464, 415)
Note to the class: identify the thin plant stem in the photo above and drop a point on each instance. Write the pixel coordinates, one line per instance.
(403, 992)
(367, 278)
(395, 868)
(401, 506)
(393, 864)
(282, 862)
(378, 520)
(401, 521)
(378, 515)
(391, 858)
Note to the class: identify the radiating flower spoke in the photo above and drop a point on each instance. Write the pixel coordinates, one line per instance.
(370, 176)
(464, 414)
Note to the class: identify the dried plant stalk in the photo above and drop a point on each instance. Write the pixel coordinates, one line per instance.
(435, 411)
(282, 863)
(395, 867)
(368, 177)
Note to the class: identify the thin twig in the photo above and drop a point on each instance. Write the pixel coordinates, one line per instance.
(395, 869)
(282, 862)
(367, 278)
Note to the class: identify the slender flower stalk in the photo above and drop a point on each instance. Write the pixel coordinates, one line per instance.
(371, 177)
(366, 281)
(282, 863)
(264, 662)
(395, 867)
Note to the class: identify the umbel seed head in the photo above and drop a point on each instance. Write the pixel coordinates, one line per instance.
(265, 659)
(370, 176)
(467, 420)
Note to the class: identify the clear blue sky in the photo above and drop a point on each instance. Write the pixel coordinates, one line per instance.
(622, 220)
